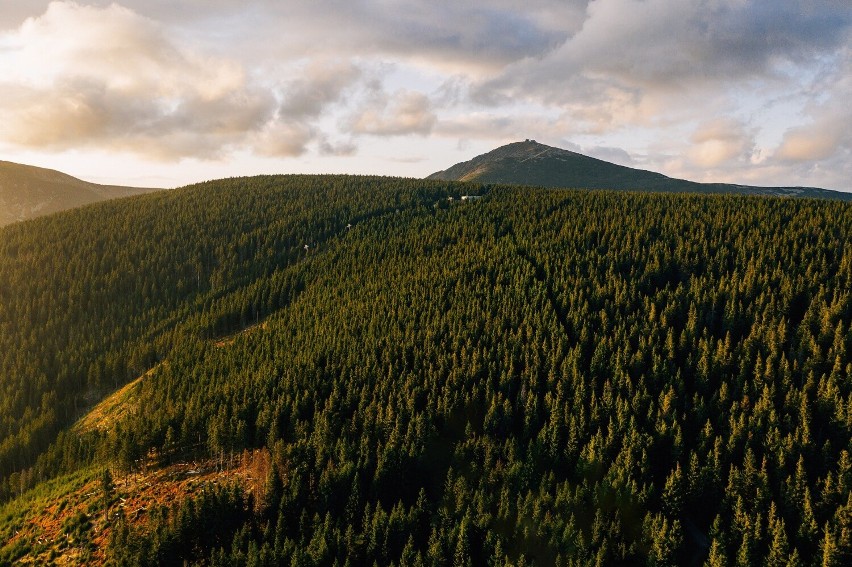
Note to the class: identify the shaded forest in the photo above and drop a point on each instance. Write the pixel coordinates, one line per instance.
(538, 377)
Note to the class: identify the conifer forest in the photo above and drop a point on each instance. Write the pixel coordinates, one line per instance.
(535, 377)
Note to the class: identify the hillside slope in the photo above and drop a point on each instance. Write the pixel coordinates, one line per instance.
(27, 192)
(538, 377)
(531, 163)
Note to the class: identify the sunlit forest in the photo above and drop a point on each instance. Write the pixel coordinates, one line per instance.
(535, 377)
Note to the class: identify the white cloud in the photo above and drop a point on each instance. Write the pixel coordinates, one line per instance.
(126, 52)
(283, 139)
(816, 149)
(720, 141)
(809, 143)
(403, 112)
(124, 84)
(117, 80)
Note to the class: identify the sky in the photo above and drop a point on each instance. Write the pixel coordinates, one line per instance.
(163, 93)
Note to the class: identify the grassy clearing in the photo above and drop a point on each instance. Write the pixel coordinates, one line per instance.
(228, 340)
(113, 408)
(49, 524)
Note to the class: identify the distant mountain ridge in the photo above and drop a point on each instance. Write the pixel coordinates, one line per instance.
(27, 192)
(532, 163)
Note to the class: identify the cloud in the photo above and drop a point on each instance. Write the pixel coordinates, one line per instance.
(123, 84)
(79, 113)
(283, 139)
(826, 133)
(614, 155)
(465, 35)
(407, 159)
(505, 127)
(319, 84)
(131, 84)
(403, 112)
(343, 148)
(819, 150)
(125, 51)
(637, 61)
(720, 141)
(809, 143)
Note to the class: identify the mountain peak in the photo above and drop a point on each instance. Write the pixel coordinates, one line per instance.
(532, 163)
(528, 149)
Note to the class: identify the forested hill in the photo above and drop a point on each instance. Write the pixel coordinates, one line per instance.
(27, 192)
(531, 163)
(376, 374)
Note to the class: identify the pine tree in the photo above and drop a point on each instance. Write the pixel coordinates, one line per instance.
(717, 556)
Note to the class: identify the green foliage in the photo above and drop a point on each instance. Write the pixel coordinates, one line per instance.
(536, 378)
(24, 511)
(185, 532)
